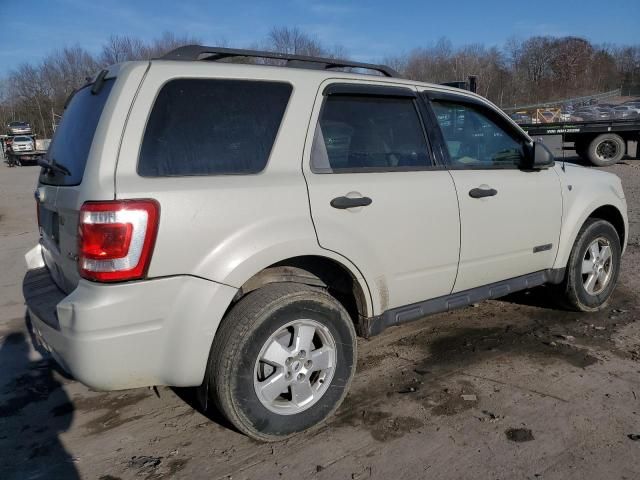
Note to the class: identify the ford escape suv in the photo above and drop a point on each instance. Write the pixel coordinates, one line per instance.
(235, 226)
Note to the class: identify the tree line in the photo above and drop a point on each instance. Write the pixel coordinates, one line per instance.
(540, 68)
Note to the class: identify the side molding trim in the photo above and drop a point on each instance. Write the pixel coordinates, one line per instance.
(543, 248)
(375, 325)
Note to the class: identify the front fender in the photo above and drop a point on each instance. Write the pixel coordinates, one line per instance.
(580, 200)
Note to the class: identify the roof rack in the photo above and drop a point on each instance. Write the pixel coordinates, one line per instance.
(199, 52)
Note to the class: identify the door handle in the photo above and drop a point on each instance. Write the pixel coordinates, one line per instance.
(482, 192)
(346, 202)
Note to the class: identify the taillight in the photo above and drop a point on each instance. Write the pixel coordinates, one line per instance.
(116, 238)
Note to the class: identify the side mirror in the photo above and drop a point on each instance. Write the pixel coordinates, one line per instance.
(540, 157)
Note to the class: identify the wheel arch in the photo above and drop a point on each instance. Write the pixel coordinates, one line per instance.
(609, 212)
(612, 215)
(340, 280)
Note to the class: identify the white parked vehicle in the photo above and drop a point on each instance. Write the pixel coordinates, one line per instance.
(233, 227)
(626, 111)
(634, 105)
(22, 144)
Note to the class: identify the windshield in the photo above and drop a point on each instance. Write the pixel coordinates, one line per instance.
(18, 124)
(21, 139)
(72, 140)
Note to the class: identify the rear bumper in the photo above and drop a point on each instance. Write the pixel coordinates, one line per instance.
(111, 337)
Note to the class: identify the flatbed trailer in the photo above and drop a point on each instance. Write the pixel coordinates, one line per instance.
(18, 159)
(13, 159)
(601, 142)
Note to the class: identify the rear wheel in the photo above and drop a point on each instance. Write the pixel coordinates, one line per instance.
(593, 268)
(282, 360)
(606, 149)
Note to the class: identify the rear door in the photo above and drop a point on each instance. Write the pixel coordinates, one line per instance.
(510, 216)
(377, 197)
(59, 187)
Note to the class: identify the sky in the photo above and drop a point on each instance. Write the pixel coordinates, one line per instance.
(369, 30)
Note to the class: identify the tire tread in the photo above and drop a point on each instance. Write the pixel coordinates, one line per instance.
(567, 291)
(241, 320)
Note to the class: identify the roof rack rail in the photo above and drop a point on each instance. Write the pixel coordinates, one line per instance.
(200, 52)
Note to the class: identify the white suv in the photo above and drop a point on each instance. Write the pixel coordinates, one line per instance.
(232, 227)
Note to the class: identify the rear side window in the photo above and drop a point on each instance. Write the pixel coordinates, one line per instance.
(212, 127)
(368, 133)
(73, 137)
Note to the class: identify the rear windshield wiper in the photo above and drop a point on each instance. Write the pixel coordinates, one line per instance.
(53, 166)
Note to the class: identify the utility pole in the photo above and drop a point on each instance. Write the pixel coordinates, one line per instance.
(54, 121)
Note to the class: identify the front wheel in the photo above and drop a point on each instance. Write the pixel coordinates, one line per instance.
(282, 360)
(593, 268)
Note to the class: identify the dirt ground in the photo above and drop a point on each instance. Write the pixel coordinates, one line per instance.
(503, 390)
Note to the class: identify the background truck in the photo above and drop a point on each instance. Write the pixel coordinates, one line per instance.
(600, 142)
(14, 158)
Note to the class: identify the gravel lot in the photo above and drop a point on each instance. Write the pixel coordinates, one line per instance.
(506, 389)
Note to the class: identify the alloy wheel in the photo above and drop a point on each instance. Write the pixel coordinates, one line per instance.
(597, 266)
(295, 367)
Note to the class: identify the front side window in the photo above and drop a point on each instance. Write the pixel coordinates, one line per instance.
(475, 141)
(212, 127)
(368, 133)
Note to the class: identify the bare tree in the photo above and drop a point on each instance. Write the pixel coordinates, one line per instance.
(293, 41)
(523, 71)
(167, 42)
(36, 93)
(121, 48)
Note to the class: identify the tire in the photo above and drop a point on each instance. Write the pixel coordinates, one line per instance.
(574, 291)
(235, 375)
(606, 149)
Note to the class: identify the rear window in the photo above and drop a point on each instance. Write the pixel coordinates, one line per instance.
(212, 127)
(73, 137)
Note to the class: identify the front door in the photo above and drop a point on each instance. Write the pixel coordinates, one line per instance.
(510, 217)
(375, 195)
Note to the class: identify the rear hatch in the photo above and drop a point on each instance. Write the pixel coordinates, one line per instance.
(59, 186)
